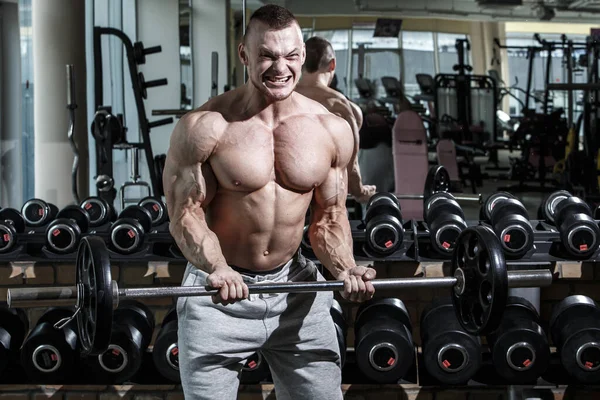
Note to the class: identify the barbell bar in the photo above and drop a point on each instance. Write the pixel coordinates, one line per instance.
(478, 282)
(67, 295)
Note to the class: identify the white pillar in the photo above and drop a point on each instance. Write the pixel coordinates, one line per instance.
(58, 30)
(11, 172)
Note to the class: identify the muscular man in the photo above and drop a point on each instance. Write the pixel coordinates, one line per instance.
(240, 174)
(318, 72)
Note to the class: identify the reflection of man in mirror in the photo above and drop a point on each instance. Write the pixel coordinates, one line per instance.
(240, 174)
(317, 73)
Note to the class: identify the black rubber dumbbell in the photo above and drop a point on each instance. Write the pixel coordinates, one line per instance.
(547, 209)
(255, 370)
(133, 325)
(156, 208)
(520, 349)
(13, 328)
(445, 220)
(51, 355)
(165, 352)
(383, 221)
(101, 212)
(575, 330)
(579, 233)
(11, 225)
(451, 355)
(37, 212)
(485, 212)
(383, 340)
(63, 233)
(510, 221)
(341, 329)
(127, 233)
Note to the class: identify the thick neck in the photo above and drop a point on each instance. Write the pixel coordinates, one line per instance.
(270, 110)
(315, 79)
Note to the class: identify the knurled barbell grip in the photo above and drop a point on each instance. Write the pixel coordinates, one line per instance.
(45, 297)
(459, 197)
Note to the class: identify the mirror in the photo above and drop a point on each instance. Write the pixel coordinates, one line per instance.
(185, 54)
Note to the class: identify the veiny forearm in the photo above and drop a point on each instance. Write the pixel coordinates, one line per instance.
(331, 240)
(199, 245)
(355, 185)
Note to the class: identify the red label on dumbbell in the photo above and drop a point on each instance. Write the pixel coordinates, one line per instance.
(56, 232)
(388, 244)
(446, 364)
(175, 351)
(6, 237)
(252, 364)
(155, 207)
(88, 206)
(506, 238)
(116, 352)
(54, 357)
(583, 247)
(391, 361)
(131, 234)
(446, 245)
(589, 365)
(41, 212)
(527, 362)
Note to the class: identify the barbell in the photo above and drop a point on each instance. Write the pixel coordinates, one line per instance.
(479, 285)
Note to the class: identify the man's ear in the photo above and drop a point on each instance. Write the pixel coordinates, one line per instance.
(332, 65)
(242, 54)
(303, 53)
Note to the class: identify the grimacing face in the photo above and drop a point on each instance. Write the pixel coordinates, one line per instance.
(273, 59)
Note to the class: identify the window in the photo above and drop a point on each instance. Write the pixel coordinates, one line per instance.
(447, 53)
(418, 55)
(27, 141)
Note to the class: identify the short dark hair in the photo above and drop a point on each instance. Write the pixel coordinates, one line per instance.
(274, 16)
(319, 54)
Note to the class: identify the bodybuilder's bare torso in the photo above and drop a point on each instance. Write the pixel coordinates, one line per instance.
(261, 175)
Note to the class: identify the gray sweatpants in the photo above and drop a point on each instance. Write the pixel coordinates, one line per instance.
(294, 333)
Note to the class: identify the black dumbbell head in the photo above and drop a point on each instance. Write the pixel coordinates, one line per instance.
(444, 232)
(385, 197)
(77, 214)
(485, 211)
(99, 210)
(165, 353)
(430, 201)
(515, 234)
(507, 207)
(126, 235)
(255, 370)
(140, 214)
(341, 328)
(444, 207)
(14, 217)
(11, 224)
(37, 212)
(548, 206)
(571, 205)
(138, 314)
(156, 208)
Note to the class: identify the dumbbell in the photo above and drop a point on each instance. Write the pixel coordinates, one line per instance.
(13, 328)
(445, 219)
(579, 233)
(166, 352)
(11, 225)
(101, 212)
(383, 222)
(156, 208)
(575, 331)
(50, 355)
(37, 212)
(127, 233)
(255, 370)
(63, 233)
(451, 355)
(547, 208)
(133, 325)
(383, 340)
(520, 349)
(305, 243)
(341, 329)
(510, 221)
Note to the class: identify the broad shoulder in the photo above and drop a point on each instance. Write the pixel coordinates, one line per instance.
(197, 134)
(339, 130)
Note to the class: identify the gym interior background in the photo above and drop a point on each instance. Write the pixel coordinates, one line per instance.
(501, 93)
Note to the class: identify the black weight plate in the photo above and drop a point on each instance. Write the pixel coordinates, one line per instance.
(489, 203)
(77, 214)
(481, 302)
(94, 321)
(98, 209)
(156, 208)
(438, 180)
(548, 206)
(15, 218)
(430, 201)
(140, 214)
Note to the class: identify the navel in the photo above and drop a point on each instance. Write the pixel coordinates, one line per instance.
(266, 253)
